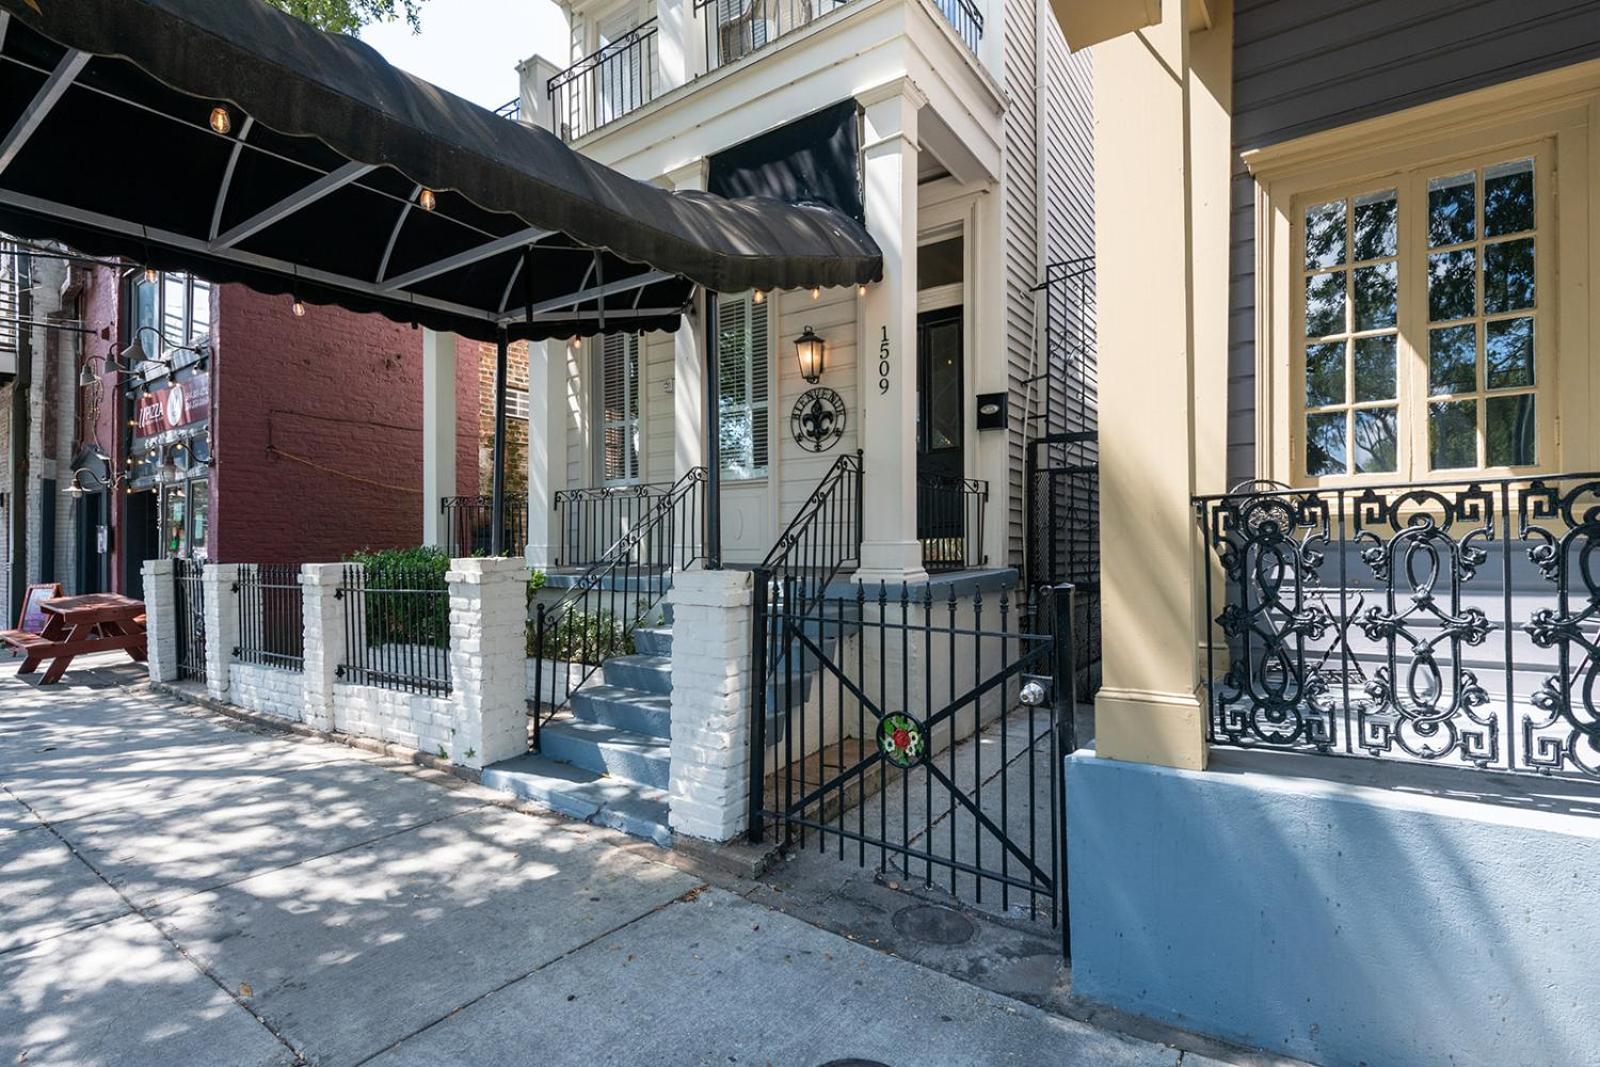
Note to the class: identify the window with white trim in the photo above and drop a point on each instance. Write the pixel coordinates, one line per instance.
(619, 408)
(1422, 321)
(743, 362)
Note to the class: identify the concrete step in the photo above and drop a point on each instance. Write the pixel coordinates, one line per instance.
(627, 806)
(653, 640)
(646, 673)
(666, 610)
(604, 749)
(649, 714)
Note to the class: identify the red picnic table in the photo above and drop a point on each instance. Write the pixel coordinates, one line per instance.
(74, 625)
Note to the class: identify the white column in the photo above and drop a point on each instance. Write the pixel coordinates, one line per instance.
(547, 449)
(689, 354)
(890, 550)
(161, 620)
(324, 637)
(219, 580)
(438, 431)
(533, 98)
(680, 43)
(488, 660)
(709, 792)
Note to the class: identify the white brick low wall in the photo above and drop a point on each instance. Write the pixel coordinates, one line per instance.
(268, 690)
(410, 719)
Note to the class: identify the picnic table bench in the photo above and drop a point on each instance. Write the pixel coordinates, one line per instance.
(74, 625)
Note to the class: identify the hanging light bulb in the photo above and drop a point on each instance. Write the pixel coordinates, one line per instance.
(221, 121)
(426, 199)
(577, 342)
(760, 297)
(298, 308)
(861, 290)
(150, 275)
(816, 292)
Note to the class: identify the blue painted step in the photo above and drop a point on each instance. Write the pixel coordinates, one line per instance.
(605, 749)
(627, 806)
(648, 674)
(649, 714)
(653, 640)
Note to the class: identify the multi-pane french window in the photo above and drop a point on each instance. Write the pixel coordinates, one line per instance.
(1421, 321)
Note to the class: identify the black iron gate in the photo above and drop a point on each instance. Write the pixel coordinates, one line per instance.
(920, 733)
(191, 617)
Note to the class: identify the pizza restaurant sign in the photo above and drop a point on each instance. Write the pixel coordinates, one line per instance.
(172, 405)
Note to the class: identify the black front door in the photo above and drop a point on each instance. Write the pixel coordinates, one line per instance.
(91, 576)
(940, 423)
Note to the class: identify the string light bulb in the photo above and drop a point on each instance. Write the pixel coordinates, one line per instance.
(299, 309)
(816, 292)
(577, 342)
(426, 199)
(861, 290)
(221, 121)
(150, 275)
(760, 297)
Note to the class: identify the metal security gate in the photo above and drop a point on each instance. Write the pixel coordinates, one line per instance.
(191, 612)
(919, 733)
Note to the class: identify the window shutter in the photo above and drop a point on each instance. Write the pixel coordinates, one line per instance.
(619, 397)
(742, 386)
(758, 363)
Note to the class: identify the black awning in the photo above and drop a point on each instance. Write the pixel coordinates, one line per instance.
(106, 144)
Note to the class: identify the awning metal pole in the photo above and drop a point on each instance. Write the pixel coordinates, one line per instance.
(713, 441)
(497, 510)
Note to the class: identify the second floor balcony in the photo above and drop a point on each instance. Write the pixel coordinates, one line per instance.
(632, 69)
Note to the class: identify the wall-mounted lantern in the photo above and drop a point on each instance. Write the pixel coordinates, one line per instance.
(808, 348)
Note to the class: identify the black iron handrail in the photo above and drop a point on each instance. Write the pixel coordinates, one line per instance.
(950, 521)
(594, 519)
(823, 536)
(606, 84)
(596, 618)
(1447, 622)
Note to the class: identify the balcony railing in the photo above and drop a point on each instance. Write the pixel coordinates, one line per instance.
(1451, 623)
(469, 525)
(950, 522)
(606, 84)
(738, 28)
(967, 20)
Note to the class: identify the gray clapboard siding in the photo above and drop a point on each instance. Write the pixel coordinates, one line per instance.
(1300, 66)
(1021, 242)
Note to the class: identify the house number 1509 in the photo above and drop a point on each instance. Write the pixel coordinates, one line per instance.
(883, 362)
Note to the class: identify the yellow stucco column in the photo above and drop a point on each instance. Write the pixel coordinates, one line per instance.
(1162, 149)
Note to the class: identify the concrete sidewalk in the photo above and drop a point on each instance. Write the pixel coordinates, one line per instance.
(177, 889)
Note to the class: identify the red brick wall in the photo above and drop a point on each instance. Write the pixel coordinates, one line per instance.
(317, 431)
(487, 357)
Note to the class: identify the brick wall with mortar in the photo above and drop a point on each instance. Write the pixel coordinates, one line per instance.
(268, 690)
(709, 789)
(516, 429)
(161, 620)
(317, 430)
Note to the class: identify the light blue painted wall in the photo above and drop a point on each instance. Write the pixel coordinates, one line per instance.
(1374, 915)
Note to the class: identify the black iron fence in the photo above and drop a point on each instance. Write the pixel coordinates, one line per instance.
(922, 733)
(950, 522)
(738, 28)
(967, 20)
(596, 618)
(606, 84)
(1063, 524)
(271, 616)
(396, 628)
(593, 520)
(1452, 622)
(190, 607)
(469, 525)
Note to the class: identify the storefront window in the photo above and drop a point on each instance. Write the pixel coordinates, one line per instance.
(174, 521)
(199, 519)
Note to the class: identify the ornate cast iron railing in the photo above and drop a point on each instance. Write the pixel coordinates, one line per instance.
(592, 520)
(469, 524)
(271, 616)
(511, 109)
(738, 28)
(606, 84)
(595, 619)
(1452, 622)
(823, 537)
(950, 522)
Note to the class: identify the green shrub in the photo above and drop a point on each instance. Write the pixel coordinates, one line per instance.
(581, 637)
